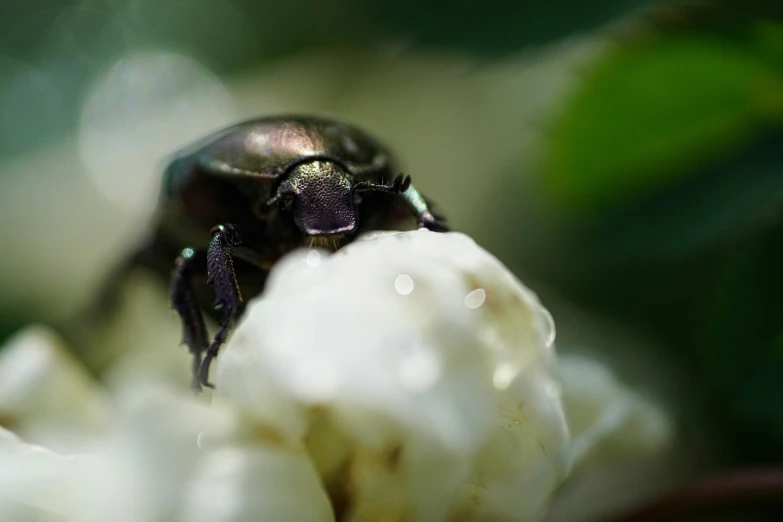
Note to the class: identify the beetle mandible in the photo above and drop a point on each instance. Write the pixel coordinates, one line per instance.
(233, 203)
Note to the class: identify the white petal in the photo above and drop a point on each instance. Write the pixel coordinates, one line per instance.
(136, 474)
(607, 418)
(266, 482)
(415, 400)
(46, 394)
(32, 481)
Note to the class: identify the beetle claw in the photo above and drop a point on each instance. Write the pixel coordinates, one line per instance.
(430, 222)
(202, 377)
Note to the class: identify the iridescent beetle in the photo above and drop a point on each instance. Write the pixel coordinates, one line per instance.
(235, 202)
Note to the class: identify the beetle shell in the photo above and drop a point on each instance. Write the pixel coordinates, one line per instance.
(224, 176)
(269, 147)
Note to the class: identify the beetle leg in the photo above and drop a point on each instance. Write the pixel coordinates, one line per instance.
(183, 299)
(400, 184)
(221, 275)
(413, 198)
(419, 205)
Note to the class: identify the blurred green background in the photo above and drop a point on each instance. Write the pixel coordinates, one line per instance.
(624, 157)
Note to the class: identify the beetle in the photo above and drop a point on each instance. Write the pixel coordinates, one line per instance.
(236, 201)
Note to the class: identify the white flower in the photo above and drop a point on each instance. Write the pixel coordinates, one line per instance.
(408, 376)
(46, 394)
(418, 371)
(606, 418)
(155, 466)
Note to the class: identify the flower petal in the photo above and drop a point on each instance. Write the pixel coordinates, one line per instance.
(418, 371)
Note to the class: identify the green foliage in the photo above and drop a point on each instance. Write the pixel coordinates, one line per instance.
(667, 158)
(650, 116)
(712, 206)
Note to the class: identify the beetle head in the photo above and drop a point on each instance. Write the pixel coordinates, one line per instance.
(320, 195)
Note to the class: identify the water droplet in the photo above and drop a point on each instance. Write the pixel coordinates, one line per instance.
(475, 298)
(550, 323)
(313, 258)
(404, 284)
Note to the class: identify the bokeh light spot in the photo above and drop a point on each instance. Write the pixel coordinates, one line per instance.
(143, 109)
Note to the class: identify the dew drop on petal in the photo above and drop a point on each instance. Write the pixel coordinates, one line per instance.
(313, 258)
(551, 331)
(403, 284)
(475, 298)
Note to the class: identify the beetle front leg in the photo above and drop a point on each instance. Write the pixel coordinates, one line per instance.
(183, 299)
(417, 203)
(221, 275)
(413, 198)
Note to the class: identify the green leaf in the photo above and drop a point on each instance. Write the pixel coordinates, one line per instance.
(741, 195)
(767, 37)
(648, 117)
